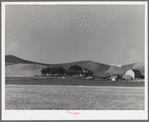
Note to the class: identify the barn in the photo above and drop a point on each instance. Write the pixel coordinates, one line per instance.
(134, 73)
(127, 77)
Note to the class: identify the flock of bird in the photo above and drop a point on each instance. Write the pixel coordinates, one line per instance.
(86, 23)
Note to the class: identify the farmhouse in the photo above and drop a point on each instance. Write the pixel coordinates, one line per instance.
(133, 73)
(113, 78)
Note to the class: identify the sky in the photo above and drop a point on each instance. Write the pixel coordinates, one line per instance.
(109, 34)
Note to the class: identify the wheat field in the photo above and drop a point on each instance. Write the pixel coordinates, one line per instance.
(58, 97)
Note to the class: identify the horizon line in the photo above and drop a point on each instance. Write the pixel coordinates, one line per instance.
(112, 64)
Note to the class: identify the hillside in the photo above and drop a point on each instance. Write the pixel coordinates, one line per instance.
(23, 70)
(11, 60)
(17, 67)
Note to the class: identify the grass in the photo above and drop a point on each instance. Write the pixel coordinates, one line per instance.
(56, 97)
(70, 81)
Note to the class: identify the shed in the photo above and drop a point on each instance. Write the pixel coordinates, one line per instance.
(113, 78)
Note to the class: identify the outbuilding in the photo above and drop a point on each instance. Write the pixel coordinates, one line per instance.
(113, 78)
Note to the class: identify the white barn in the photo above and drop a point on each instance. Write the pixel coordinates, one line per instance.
(130, 73)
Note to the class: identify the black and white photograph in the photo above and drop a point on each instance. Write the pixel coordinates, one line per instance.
(74, 60)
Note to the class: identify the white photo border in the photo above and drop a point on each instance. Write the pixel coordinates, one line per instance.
(83, 115)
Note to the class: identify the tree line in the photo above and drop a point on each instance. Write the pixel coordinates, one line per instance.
(72, 70)
(53, 70)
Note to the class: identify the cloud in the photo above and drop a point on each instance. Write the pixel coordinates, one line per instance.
(12, 47)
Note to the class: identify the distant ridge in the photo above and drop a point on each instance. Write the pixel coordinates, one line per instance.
(17, 67)
(10, 60)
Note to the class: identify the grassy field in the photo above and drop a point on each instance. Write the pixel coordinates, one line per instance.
(58, 97)
(70, 81)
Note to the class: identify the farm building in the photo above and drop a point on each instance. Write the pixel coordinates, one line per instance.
(134, 73)
(89, 77)
(113, 78)
(127, 77)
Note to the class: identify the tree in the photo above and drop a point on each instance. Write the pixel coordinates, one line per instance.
(90, 73)
(44, 71)
(119, 76)
(61, 71)
(142, 76)
(58, 70)
(87, 72)
(74, 70)
(53, 70)
(75, 67)
(49, 70)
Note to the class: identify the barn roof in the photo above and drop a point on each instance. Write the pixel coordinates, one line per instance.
(136, 72)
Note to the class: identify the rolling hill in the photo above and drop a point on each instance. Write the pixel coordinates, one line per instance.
(10, 60)
(17, 67)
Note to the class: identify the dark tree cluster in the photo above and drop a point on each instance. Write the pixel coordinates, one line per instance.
(53, 70)
(44, 71)
(119, 76)
(87, 72)
(75, 67)
(72, 71)
(78, 70)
